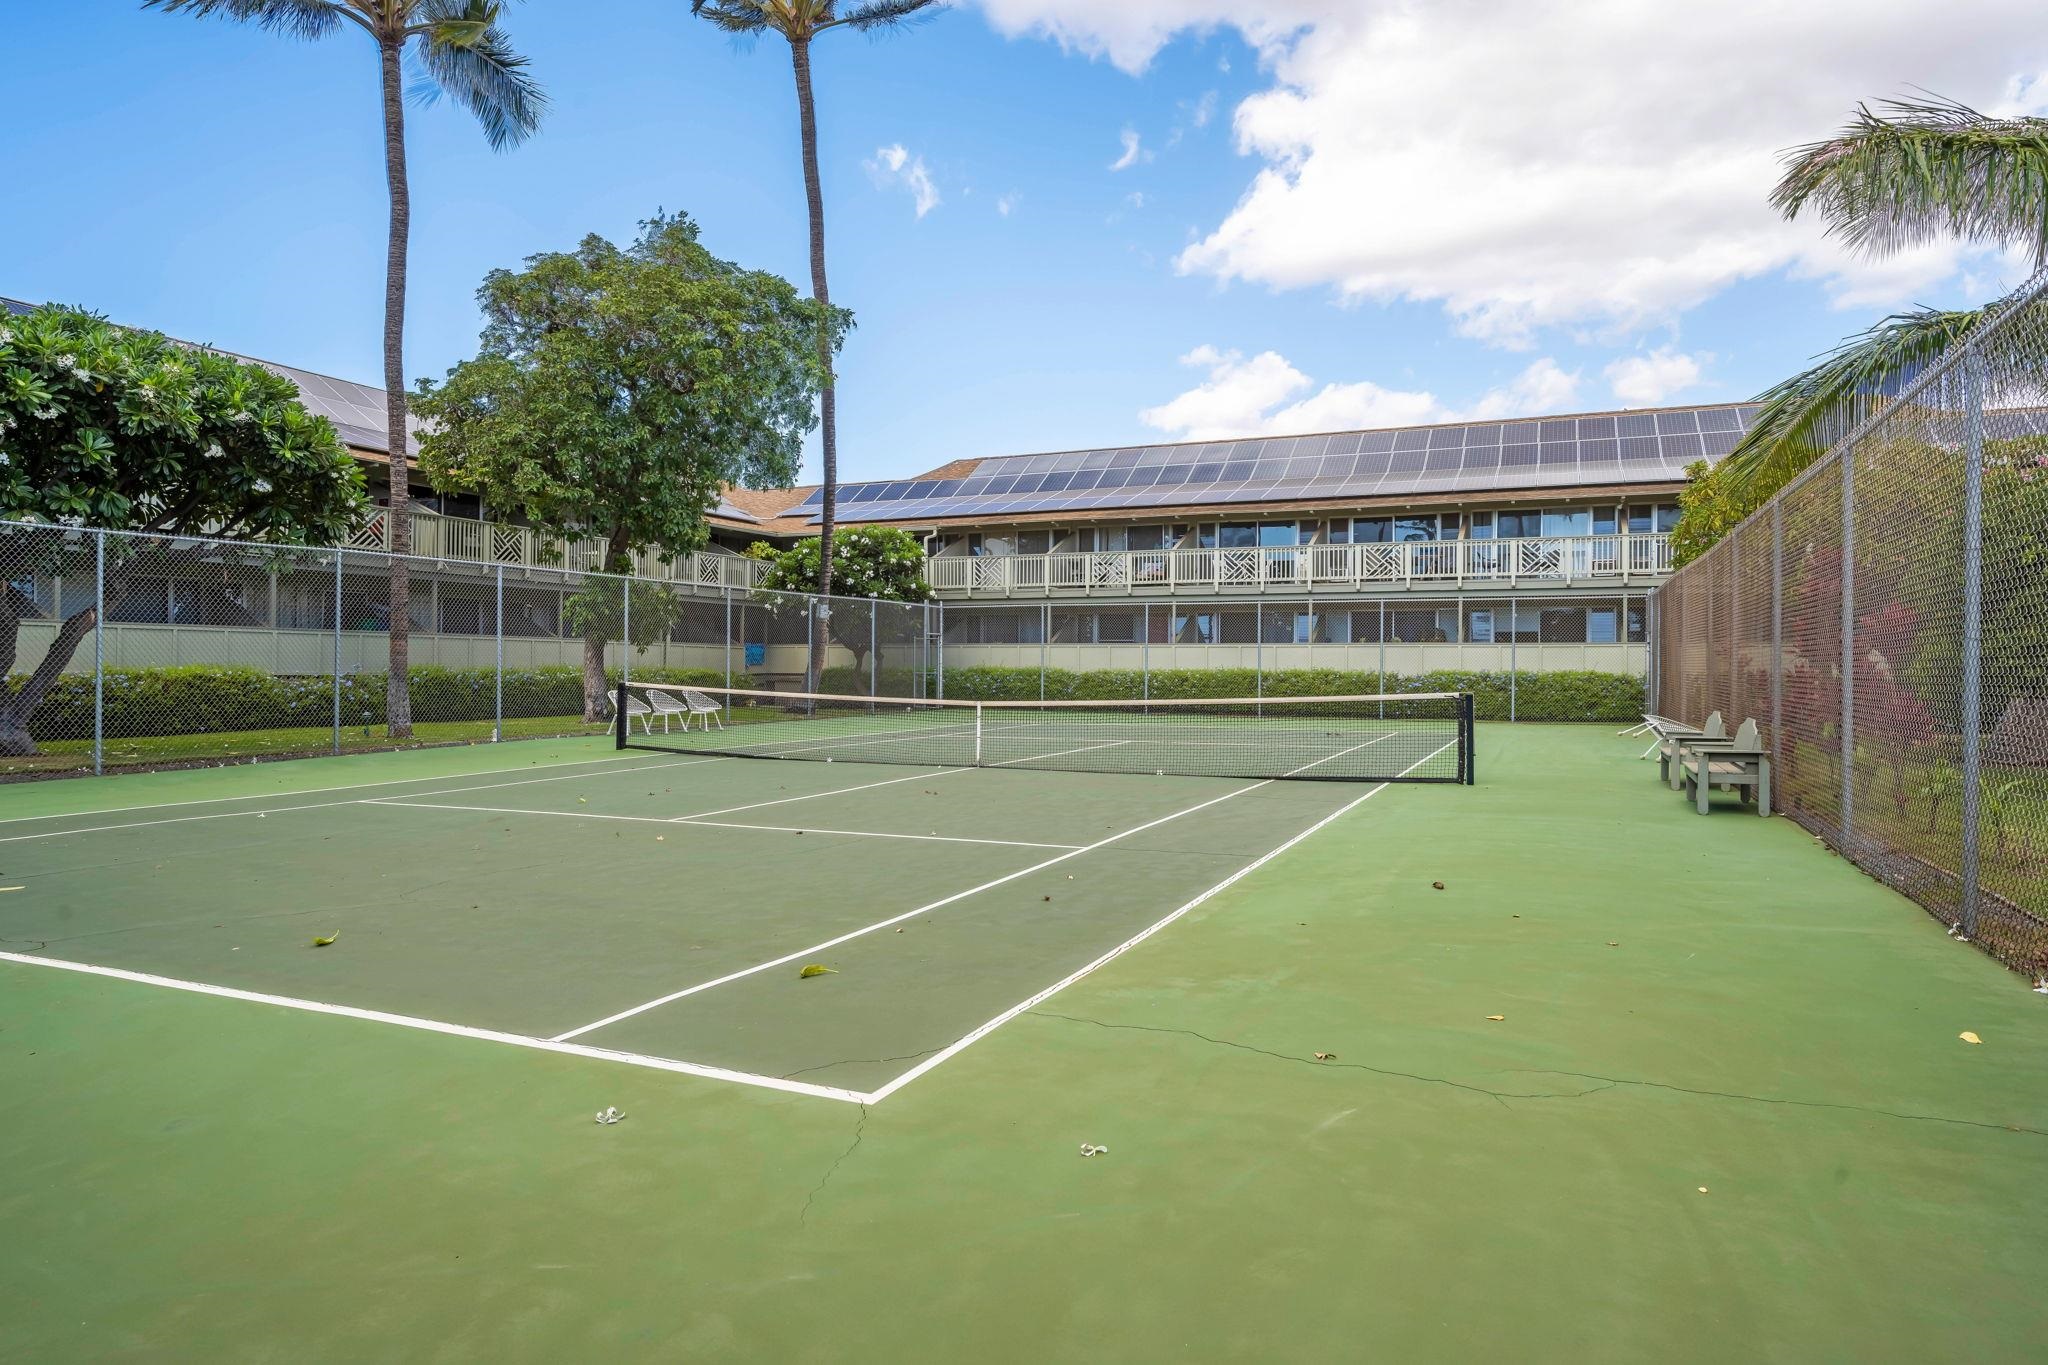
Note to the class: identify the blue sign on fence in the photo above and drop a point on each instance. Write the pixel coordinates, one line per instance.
(756, 655)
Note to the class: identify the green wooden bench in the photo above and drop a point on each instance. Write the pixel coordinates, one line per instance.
(1740, 764)
(1670, 735)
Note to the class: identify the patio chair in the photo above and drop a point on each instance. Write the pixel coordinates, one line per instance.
(695, 703)
(1670, 734)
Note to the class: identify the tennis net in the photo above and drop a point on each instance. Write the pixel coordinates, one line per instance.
(1407, 737)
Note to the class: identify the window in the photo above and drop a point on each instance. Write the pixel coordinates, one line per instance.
(1366, 530)
(1194, 628)
(1237, 535)
(1667, 517)
(1034, 542)
(1513, 525)
(1422, 625)
(1602, 626)
(1116, 628)
(1147, 538)
(1279, 533)
(1603, 521)
(1636, 631)
(1415, 528)
(1562, 626)
(1482, 525)
(1237, 627)
(1568, 521)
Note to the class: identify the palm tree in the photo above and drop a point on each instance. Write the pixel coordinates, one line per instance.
(799, 21)
(466, 55)
(1903, 174)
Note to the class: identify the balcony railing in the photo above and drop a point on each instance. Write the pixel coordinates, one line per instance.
(1436, 564)
(492, 542)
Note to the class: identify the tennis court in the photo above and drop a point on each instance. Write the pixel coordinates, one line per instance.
(658, 908)
(1633, 1084)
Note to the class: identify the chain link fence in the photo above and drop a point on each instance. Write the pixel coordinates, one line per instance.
(1884, 619)
(121, 650)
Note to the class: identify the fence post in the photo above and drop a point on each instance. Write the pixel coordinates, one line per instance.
(1044, 644)
(99, 652)
(939, 639)
(1258, 648)
(498, 689)
(338, 555)
(1847, 732)
(1777, 632)
(1514, 652)
(1973, 625)
(1145, 653)
(874, 646)
(1650, 649)
(726, 589)
(1383, 656)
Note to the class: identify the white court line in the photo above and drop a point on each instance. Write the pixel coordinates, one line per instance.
(817, 948)
(954, 1049)
(314, 791)
(405, 803)
(328, 805)
(714, 1073)
(808, 796)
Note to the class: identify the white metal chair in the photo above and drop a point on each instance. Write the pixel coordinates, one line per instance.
(666, 704)
(695, 703)
(635, 706)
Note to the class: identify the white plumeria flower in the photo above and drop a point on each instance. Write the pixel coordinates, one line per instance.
(262, 485)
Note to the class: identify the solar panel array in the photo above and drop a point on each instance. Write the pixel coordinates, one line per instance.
(1552, 452)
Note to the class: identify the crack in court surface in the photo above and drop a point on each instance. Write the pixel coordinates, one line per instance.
(1503, 1096)
(860, 1130)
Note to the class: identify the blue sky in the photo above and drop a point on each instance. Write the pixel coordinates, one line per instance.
(1341, 213)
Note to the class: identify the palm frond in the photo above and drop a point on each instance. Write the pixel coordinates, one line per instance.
(1809, 412)
(742, 18)
(877, 15)
(293, 18)
(1912, 171)
(470, 59)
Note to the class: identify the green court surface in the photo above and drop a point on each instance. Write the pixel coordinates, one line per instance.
(224, 1143)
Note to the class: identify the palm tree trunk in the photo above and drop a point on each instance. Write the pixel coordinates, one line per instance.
(398, 696)
(828, 421)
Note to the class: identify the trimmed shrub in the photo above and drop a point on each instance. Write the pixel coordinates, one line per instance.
(213, 698)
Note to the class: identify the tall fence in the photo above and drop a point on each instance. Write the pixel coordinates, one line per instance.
(1884, 619)
(121, 650)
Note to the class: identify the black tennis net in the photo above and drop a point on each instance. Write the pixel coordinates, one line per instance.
(1406, 737)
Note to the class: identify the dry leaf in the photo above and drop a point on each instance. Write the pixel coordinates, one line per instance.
(1496, 1018)
(323, 942)
(1703, 1189)
(1438, 885)
(1326, 1056)
(1614, 943)
(1969, 1037)
(816, 969)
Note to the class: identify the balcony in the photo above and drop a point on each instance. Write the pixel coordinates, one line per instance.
(1430, 565)
(492, 542)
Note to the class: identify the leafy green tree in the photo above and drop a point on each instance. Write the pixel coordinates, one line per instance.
(460, 51)
(798, 22)
(617, 390)
(874, 563)
(104, 426)
(1708, 509)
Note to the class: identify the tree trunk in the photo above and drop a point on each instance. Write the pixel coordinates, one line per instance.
(398, 694)
(594, 688)
(828, 419)
(595, 630)
(17, 708)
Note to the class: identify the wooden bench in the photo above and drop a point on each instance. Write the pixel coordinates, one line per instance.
(1739, 764)
(1670, 735)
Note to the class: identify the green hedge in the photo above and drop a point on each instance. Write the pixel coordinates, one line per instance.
(211, 698)
(1565, 695)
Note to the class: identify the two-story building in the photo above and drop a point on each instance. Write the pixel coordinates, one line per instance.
(1473, 544)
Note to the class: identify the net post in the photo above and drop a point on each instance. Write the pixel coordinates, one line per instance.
(1973, 628)
(620, 727)
(626, 630)
(498, 685)
(1470, 734)
(99, 653)
(337, 649)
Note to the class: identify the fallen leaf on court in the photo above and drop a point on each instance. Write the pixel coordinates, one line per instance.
(609, 1114)
(1969, 1037)
(1093, 1149)
(899, 928)
(1496, 1018)
(1438, 885)
(661, 838)
(323, 942)
(817, 969)
(1614, 943)
(1703, 1189)
(1048, 898)
(1326, 1056)
(582, 800)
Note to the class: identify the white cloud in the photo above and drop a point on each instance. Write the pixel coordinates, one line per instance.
(1006, 204)
(1266, 395)
(1646, 380)
(1136, 199)
(896, 165)
(1133, 152)
(1606, 173)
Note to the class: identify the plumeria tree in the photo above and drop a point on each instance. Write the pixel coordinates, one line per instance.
(104, 426)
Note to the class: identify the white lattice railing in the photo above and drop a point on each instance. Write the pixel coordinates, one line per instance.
(1426, 563)
(490, 542)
